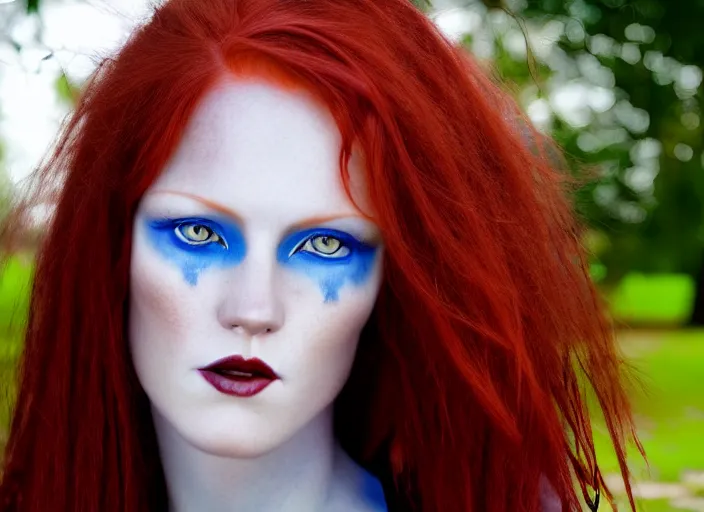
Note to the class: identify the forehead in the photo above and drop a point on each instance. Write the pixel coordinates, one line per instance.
(263, 150)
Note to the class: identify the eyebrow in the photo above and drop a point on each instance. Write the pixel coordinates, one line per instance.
(304, 224)
(207, 202)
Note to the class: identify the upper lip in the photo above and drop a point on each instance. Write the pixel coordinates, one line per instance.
(254, 367)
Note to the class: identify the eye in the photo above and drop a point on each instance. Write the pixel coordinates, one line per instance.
(196, 234)
(326, 246)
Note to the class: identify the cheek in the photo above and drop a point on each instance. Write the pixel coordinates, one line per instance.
(324, 359)
(330, 337)
(331, 277)
(162, 308)
(348, 315)
(153, 295)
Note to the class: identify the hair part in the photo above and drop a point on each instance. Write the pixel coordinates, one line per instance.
(469, 385)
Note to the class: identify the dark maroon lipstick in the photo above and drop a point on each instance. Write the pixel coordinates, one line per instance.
(238, 376)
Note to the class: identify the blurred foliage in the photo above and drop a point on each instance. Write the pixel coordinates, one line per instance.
(646, 147)
(32, 6)
(68, 91)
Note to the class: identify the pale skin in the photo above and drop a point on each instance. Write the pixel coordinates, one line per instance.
(247, 245)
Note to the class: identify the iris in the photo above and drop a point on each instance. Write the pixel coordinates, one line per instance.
(329, 257)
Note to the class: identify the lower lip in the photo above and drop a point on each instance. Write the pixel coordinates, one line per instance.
(234, 386)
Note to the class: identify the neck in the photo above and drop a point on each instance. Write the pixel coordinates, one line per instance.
(308, 472)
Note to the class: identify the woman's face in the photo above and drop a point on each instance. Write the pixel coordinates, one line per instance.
(252, 272)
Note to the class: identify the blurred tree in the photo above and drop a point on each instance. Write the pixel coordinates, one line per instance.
(636, 66)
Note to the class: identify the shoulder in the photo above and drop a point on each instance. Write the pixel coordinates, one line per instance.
(356, 489)
(549, 500)
(374, 494)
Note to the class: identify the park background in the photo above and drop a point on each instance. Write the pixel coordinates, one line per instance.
(617, 83)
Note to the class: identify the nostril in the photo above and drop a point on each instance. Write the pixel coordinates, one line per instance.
(235, 327)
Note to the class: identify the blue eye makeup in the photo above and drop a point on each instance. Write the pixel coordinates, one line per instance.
(195, 243)
(330, 257)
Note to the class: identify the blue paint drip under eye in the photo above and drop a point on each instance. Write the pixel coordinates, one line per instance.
(330, 273)
(194, 259)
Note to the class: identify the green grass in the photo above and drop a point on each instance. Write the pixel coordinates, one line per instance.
(653, 299)
(669, 409)
(15, 279)
(661, 505)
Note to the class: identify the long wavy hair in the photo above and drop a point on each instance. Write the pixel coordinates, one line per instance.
(471, 380)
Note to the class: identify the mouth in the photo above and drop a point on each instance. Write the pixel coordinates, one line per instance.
(237, 376)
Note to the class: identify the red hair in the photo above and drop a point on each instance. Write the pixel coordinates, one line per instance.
(469, 385)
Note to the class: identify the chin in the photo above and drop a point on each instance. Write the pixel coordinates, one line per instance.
(236, 448)
(235, 443)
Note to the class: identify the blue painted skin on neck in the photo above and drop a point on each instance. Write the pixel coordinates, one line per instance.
(374, 492)
(351, 263)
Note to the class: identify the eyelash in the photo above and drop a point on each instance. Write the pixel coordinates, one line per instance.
(219, 239)
(307, 246)
(346, 242)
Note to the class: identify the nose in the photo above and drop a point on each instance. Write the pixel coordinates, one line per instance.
(252, 301)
